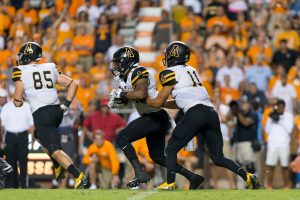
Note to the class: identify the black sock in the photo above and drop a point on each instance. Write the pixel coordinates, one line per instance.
(184, 172)
(136, 166)
(171, 166)
(242, 173)
(74, 171)
(55, 163)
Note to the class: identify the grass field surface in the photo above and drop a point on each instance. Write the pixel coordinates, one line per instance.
(42, 194)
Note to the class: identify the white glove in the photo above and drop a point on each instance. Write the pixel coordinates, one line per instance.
(114, 105)
(64, 108)
(115, 93)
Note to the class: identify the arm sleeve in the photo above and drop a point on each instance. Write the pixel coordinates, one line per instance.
(139, 73)
(115, 164)
(16, 75)
(167, 78)
(86, 158)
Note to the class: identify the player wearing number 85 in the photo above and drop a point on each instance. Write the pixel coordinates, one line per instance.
(183, 83)
(37, 82)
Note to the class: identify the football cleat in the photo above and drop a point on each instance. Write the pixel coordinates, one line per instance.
(166, 186)
(195, 181)
(59, 173)
(141, 177)
(252, 182)
(81, 182)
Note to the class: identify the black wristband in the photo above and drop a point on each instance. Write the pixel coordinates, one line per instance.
(67, 103)
(123, 95)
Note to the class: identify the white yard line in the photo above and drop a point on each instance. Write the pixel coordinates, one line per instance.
(142, 195)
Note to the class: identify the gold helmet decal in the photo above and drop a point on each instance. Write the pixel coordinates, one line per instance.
(129, 53)
(28, 49)
(174, 52)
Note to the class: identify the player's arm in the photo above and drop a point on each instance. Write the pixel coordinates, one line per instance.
(19, 87)
(171, 104)
(161, 98)
(139, 82)
(71, 85)
(168, 81)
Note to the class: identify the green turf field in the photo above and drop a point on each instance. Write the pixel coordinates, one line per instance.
(32, 194)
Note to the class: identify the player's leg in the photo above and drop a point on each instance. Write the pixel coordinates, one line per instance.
(187, 128)
(156, 145)
(22, 158)
(214, 140)
(136, 130)
(11, 158)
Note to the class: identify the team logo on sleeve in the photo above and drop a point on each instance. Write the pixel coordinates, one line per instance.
(129, 53)
(28, 49)
(174, 52)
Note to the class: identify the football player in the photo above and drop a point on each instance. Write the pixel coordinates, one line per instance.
(183, 83)
(137, 84)
(5, 169)
(37, 82)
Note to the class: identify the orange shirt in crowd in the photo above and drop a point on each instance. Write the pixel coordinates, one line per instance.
(279, 6)
(108, 157)
(84, 41)
(73, 7)
(43, 13)
(141, 149)
(65, 31)
(264, 120)
(292, 37)
(297, 124)
(296, 84)
(5, 23)
(238, 43)
(85, 95)
(256, 50)
(229, 94)
(19, 30)
(189, 24)
(98, 73)
(292, 72)
(30, 17)
(11, 11)
(69, 56)
(193, 60)
(70, 70)
(223, 21)
(3, 57)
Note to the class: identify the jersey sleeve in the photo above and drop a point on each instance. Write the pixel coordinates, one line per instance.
(139, 73)
(167, 78)
(16, 75)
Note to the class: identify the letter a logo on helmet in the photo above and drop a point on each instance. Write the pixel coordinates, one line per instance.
(174, 52)
(129, 53)
(28, 49)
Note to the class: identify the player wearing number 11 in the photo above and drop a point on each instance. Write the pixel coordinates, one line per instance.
(183, 83)
(37, 82)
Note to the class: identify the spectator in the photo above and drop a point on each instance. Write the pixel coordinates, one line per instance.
(101, 157)
(259, 14)
(259, 74)
(11, 10)
(103, 35)
(219, 19)
(163, 29)
(44, 11)
(287, 92)
(99, 70)
(245, 134)
(92, 10)
(105, 86)
(67, 52)
(279, 71)
(291, 36)
(190, 25)
(110, 9)
(19, 29)
(293, 70)
(279, 127)
(29, 14)
(104, 120)
(49, 20)
(83, 21)
(84, 44)
(179, 11)
(285, 56)
(256, 95)
(228, 93)
(217, 38)
(16, 141)
(84, 93)
(196, 5)
(235, 73)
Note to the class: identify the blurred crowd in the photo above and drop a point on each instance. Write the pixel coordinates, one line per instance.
(246, 52)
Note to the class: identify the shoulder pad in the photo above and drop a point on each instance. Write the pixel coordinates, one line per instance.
(139, 73)
(167, 78)
(16, 75)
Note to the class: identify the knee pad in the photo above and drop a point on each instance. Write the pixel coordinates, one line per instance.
(122, 141)
(52, 148)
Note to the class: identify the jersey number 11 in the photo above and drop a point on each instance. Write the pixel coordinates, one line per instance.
(193, 77)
